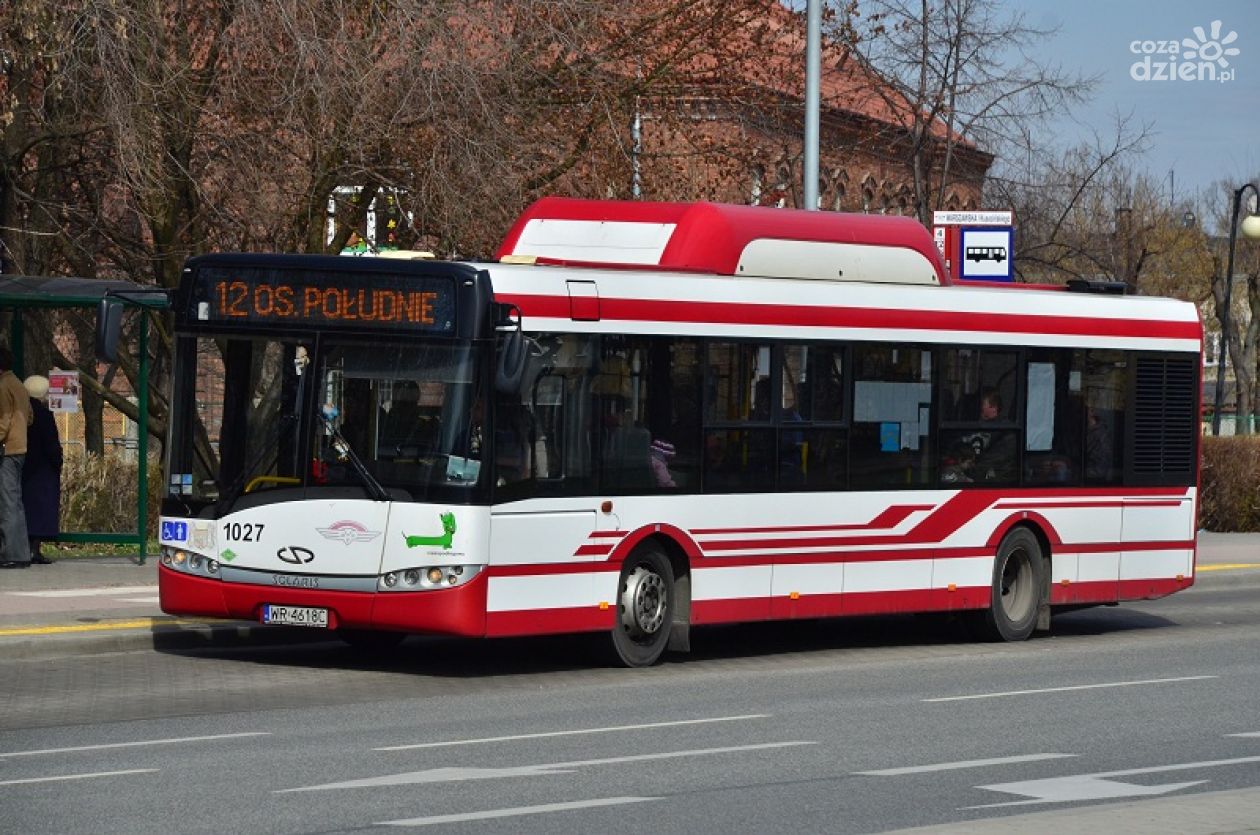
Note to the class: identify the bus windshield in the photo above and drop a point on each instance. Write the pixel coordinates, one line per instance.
(409, 412)
(255, 415)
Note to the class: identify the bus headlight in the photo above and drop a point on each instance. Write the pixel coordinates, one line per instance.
(427, 577)
(187, 562)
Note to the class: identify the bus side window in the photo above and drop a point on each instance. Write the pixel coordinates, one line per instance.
(1052, 440)
(890, 442)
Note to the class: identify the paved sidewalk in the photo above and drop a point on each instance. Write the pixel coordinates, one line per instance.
(104, 604)
(87, 605)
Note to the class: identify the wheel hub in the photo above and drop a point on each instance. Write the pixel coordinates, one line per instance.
(643, 603)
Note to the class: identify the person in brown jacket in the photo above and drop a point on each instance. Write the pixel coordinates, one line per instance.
(15, 417)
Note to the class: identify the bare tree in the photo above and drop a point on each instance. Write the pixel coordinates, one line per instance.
(958, 73)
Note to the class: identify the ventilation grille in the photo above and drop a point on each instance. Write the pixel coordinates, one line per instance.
(1165, 432)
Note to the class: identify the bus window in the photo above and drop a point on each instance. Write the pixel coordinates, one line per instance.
(739, 438)
(646, 392)
(253, 385)
(892, 397)
(979, 432)
(1052, 417)
(542, 434)
(407, 411)
(1104, 381)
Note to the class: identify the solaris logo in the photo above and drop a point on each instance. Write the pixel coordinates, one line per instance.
(1205, 57)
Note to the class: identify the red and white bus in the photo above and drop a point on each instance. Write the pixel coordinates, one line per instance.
(644, 417)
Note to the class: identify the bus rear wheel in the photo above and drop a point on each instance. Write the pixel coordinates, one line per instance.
(1018, 583)
(645, 607)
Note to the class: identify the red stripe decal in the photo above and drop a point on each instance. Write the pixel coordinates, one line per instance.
(597, 549)
(548, 569)
(549, 621)
(890, 517)
(1015, 505)
(729, 313)
(834, 557)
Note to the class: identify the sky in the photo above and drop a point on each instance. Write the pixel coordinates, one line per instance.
(1202, 130)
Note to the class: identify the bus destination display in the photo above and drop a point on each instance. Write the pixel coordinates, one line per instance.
(323, 298)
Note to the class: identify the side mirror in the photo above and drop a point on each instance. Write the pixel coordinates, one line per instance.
(512, 349)
(109, 315)
(510, 367)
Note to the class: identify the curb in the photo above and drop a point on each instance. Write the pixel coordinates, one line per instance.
(160, 636)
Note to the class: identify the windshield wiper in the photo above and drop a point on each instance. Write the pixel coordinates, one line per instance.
(345, 452)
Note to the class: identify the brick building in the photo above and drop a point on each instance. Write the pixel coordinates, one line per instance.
(739, 140)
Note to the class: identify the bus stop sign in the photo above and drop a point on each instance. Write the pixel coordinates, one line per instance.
(984, 253)
(949, 228)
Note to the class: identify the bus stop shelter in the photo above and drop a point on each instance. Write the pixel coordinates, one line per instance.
(21, 294)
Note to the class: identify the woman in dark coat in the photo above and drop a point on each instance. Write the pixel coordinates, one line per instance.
(41, 474)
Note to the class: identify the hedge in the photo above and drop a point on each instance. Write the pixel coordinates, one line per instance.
(98, 493)
(1229, 499)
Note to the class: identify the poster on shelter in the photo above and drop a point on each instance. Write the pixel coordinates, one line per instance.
(63, 391)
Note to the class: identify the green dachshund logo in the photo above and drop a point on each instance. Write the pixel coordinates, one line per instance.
(443, 541)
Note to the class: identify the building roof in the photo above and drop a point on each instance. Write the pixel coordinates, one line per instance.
(775, 57)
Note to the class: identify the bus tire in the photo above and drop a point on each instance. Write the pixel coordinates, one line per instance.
(1018, 583)
(645, 607)
(371, 640)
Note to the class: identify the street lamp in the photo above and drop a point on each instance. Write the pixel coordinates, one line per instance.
(1250, 229)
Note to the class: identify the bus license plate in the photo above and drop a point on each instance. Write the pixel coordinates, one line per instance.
(295, 616)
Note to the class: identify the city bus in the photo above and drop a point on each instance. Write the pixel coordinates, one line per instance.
(641, 418)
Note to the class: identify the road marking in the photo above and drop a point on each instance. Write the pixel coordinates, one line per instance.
(518, 810)
(138, 623)
(608, 730)
(93, 592)
(923, 769)
(1249, 734)
(1227, 566)
(76, 776)
(1068, 689)
(1077, 787)
(154, 599)
(170, 741)
(451, 775)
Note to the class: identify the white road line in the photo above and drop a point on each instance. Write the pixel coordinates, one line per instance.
(170, 741)
(153, 599)
(1073, 788)
(457, 774)
(1067, 689)
(76, 776)
(923, 769)
(96, 592)
(607, 730)
(1250, 734)
(518, 810)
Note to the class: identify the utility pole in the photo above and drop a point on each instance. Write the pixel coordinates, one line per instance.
(813, 52)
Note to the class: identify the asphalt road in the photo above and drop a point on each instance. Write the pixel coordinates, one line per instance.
(848, 726)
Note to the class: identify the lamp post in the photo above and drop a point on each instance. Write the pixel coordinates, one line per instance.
(1250, 229)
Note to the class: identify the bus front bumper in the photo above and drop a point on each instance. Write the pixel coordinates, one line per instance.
(454, 611)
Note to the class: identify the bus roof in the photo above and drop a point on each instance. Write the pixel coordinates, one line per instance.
(725, 239)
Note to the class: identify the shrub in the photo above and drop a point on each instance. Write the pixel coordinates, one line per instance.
(1229, 499)
(98, 493)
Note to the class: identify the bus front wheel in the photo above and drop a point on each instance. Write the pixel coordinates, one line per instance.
(1018, 582)
(645, 607)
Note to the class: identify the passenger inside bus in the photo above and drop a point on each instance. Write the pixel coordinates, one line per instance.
(986, 454)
